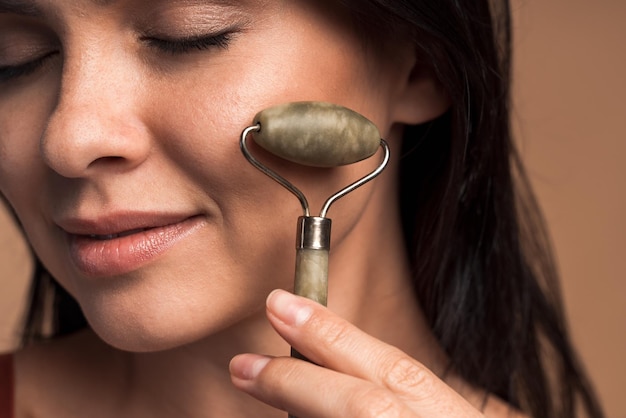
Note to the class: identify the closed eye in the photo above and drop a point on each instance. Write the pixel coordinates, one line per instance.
(11, 72)
(191, 44)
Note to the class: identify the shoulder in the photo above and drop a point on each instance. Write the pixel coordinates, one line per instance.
(72, 369)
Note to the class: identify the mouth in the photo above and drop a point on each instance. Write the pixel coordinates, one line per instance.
(108, 237)
(114, 246)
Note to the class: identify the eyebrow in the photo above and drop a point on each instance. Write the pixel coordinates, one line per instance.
(30, 8)
(20, 7)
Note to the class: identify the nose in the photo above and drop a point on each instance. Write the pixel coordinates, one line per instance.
(95, 126)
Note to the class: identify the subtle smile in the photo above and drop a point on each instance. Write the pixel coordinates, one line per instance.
(100, 253)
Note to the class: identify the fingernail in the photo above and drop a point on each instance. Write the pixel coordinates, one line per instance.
(288, 308)
(248, 366)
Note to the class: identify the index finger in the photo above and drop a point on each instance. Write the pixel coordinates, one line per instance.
(334, 343)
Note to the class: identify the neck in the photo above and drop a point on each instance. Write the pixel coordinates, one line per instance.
(381, 300)
(190, 380)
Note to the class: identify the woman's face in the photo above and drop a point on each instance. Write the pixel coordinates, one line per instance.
(119, 129)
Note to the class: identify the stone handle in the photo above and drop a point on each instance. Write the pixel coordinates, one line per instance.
(312, 249)
(312, 274)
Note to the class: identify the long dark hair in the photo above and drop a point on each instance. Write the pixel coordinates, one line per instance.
(482, 266)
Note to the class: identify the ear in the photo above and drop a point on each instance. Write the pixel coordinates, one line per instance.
(420, 96)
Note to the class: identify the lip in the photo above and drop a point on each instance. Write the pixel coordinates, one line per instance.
(116, 245)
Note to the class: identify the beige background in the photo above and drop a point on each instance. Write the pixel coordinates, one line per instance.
(570, 93)
(569, 109)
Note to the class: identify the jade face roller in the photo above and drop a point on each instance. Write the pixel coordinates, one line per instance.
(321, 135)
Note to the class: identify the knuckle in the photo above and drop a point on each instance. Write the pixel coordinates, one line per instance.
(274, 383)
(405, 376)
(276, 376)
(375, 403)
(333, 333)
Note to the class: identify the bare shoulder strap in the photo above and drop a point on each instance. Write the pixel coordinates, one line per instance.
(6, 386)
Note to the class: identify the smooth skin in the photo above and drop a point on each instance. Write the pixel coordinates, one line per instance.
(128, 112)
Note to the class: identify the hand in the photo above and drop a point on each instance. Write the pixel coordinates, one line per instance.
(357, 376)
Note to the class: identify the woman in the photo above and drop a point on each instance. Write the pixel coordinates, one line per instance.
(120, 122)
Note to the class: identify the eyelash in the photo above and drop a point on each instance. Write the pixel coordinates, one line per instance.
(170, 46)
(11, 72)
(187, 45)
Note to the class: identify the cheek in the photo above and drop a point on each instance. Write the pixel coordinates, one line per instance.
(23, 116)
(214, 105)
(24, 178)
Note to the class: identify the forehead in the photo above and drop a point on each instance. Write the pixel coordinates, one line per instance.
(36, 8)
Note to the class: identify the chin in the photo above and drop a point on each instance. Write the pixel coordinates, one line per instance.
(150, 323)
(167, 306)
(141, 339)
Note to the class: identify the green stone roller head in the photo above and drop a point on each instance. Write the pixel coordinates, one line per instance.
(314, 134)
(321, 135)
